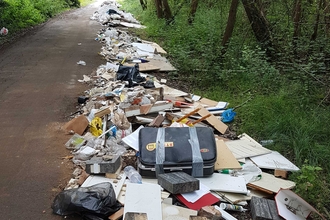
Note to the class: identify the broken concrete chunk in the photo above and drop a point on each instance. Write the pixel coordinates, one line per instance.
(98, 165)
(210, 213)
(178, 182)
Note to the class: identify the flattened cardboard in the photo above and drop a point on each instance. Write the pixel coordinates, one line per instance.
(162, 63)
(157, 48)
(78, 125)
(225, 158)
(293, 207)
(270, 183)
(215, 122)
(246, 147)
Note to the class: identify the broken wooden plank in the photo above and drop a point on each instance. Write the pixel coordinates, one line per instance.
(144, 67)
(214, 121)
(101, 112)
(281, 173)
(156, 122)
(225, 158)
(208, 102)
(135, 110)
(269, 183)
(117, 215)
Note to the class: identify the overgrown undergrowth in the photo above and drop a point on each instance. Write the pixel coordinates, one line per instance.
(17, 15)
(286, 96)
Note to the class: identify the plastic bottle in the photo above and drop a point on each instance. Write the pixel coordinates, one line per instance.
(132, 174)
(231, 207)
(266, 142)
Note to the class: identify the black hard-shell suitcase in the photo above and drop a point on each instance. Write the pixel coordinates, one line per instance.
(188, 149)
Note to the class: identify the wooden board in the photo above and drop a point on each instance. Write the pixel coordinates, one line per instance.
(225, 158)
(215, 122)
(143, 198)
(117, 215)
(144, 67)
(225, 183)
(246, 147)
(78, 125)
(269, 183)
(235, 198)
(274, 160)
(208, 102)
(135, 110)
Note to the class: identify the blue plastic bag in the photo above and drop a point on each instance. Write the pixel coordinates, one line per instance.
(228, 115)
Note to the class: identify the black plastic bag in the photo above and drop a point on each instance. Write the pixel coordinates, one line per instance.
(99, 200)
(130, 74)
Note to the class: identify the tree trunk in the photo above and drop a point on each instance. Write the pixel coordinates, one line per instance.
(317, 21)
(326, 8)
(193, 9)
(296, 20)
(143, 4)
(167, 10)
(159, 8)
(259, 25)
(296, 25)
(230, 25)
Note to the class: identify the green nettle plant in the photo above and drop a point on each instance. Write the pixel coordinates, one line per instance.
(311, 185)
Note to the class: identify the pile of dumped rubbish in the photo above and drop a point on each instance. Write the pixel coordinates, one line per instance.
(144, 150)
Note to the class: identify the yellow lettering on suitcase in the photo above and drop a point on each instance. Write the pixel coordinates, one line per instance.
(152, 146)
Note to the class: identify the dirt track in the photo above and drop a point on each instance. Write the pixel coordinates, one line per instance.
(38, 89)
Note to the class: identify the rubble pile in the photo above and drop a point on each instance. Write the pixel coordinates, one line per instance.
(144, 150)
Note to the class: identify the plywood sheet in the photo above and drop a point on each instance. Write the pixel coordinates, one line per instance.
(143, 198)
(225, 183)
(274, 160)
(269, 182)
(246, 147)
(214, 121)
(225, 158)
